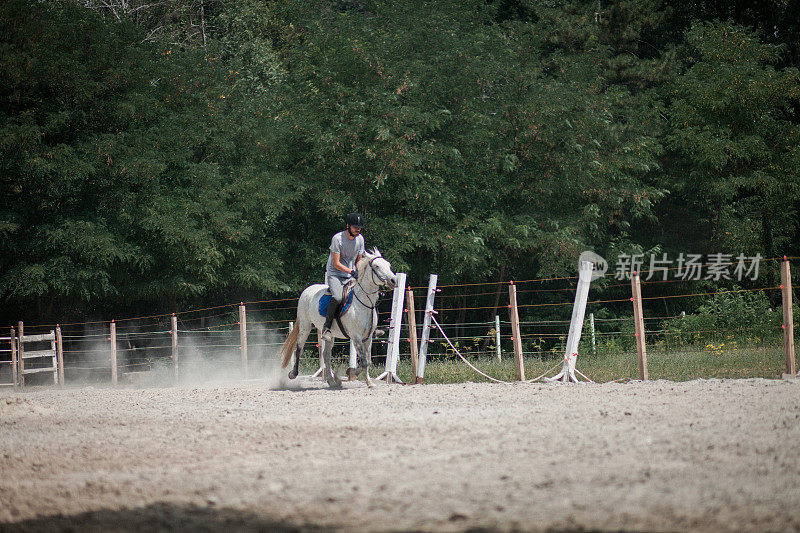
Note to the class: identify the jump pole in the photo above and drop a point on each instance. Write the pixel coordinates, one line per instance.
(426, 328)
(395, 328)
(567, 373)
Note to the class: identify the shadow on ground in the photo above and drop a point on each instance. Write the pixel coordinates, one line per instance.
(162, 517)
(159, 517)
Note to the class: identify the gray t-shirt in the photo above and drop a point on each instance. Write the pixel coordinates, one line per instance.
(348, 251)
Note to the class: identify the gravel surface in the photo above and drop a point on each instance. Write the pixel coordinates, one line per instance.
(703, 455)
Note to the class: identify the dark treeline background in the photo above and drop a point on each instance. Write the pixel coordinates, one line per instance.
(159, 156)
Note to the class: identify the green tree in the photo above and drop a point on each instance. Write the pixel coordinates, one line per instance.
(132, 172)
(735, 139)
(469, 144)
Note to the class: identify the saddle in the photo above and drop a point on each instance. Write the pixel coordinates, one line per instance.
(347, 298)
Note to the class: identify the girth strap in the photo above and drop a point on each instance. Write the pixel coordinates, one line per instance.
(341, 327)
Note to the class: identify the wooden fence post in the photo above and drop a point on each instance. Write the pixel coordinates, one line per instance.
(20, 353)
(243, 338)
(113, 353)
(14, 362)
(638, 317)
(788, 320)
(517, 338)
(175, 345)
(412, 331)
(60, 354)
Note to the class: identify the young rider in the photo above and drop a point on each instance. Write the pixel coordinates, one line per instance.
(347, 247)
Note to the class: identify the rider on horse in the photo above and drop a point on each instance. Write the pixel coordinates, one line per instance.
(347, 247)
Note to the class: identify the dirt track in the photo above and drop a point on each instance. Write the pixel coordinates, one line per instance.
(702, 455)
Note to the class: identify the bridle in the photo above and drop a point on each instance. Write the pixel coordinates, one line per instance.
(368, 295)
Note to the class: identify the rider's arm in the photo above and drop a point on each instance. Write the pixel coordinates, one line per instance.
(338, 265)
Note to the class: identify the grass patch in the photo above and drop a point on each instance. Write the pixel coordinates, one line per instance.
(766, 361)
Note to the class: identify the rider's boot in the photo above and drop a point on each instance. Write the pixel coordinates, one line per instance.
(326, 330)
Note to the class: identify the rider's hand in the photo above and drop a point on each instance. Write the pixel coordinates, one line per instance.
(354, 274)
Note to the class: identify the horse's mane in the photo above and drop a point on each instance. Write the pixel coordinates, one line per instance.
(368, 256)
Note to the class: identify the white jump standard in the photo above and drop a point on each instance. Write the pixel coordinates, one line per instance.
(568, 370)
(395, 325)
(426, 328)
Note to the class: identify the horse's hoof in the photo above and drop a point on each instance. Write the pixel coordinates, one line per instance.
(292, 374)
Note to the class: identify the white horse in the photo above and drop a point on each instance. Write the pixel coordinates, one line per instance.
(359, 320)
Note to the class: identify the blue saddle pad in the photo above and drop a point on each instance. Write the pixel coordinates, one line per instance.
(326, 299)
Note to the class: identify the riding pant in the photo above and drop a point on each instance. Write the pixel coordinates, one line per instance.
(336, 285)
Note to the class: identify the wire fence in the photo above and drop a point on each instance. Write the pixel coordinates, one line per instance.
(722, 323)
(682, 317)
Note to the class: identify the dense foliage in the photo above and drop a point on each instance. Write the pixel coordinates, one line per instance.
(154, 158)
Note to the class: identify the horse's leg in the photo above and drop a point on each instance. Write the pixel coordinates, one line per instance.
(301, 341)
(365, 359)
(330, 376)
(353, 373)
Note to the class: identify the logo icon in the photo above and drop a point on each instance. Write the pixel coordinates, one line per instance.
(600, 264)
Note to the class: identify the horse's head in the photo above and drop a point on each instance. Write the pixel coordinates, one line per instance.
(377, 269)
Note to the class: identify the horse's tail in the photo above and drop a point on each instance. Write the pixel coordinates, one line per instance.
(289, 345)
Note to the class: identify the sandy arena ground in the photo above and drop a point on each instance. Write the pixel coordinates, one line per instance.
(703, 456)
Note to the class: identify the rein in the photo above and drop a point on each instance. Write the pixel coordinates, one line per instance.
(368, 294)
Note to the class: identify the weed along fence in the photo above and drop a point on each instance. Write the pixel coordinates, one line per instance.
(643, 325)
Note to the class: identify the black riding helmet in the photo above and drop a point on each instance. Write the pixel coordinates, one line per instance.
(355, 220)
